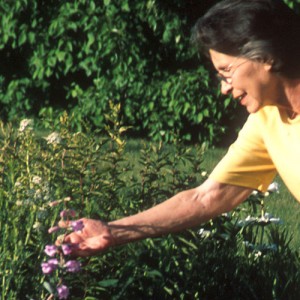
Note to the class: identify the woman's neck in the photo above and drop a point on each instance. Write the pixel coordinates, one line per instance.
(291, 100)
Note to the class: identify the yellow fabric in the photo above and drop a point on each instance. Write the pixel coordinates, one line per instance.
(268, 143)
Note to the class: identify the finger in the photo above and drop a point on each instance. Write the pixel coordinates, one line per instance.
(81, 250)
(71, 238)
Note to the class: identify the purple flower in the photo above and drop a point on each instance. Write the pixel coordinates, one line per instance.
(50, 250)
(77, 225)
(68, 213)
(73, 266)
(63, 291)
(49, 266)
(66, 249)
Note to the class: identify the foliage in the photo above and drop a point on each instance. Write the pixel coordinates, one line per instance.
(236, 256)
(79, 55)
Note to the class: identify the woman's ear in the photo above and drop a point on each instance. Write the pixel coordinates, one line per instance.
(268, 65)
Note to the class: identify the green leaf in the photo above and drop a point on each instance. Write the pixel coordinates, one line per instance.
(109, 283)
(48, 287)
(22, 38)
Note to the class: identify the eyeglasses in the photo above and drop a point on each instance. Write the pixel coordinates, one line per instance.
(228, 79)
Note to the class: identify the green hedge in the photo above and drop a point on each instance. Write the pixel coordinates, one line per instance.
(78, 55)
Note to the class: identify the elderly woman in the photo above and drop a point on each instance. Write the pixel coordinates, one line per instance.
(254, 46)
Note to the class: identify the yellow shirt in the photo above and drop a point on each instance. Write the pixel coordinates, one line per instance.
(269, 143)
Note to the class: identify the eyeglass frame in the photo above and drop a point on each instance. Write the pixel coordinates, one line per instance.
(228, 79)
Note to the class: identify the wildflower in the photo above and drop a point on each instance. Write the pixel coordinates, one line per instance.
(268, 218)
(37, 225)
(204, 174)
(50, 250)
(53, 138)
(19, 203)
(54, 203)
(38, 194)
(36, 180)
(246, 222)
(273, 187)
(26, 124)
(258, 254)
(18, 184)
(63, 291)
(66, 249)
(226, 215)
(53, 229)
(68, 213)
(49, 266)
(77, 225)
(73, 266)
(204, 233)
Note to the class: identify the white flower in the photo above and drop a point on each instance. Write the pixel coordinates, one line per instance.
(273, 187)
(37, 225)
(18, 184)
(247, 221)
(53, 138)
(204, 174)
(204, 233)
(268, 218)
(36, 180)
(258, 254)
(26, 124)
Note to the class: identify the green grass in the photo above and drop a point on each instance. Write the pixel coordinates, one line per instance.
(282, 205)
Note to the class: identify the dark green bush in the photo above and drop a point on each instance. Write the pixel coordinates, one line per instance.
(78, 55)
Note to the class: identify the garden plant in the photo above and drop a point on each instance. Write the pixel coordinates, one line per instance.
(58, 172)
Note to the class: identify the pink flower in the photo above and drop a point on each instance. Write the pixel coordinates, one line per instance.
(49, 266)
(77, 225)
(63, 291)
(66, 249)
(68, 213)
(50, 250)
(73, 266)
(53, 229)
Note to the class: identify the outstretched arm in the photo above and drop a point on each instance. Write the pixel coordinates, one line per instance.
(184, 210)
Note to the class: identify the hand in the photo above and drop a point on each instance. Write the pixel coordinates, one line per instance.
(94, 238)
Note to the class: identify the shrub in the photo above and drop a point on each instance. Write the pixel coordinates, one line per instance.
(58, 55)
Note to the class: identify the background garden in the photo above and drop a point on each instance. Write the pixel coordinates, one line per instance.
(107, 109)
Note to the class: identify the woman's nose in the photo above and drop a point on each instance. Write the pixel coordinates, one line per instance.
(226, 87)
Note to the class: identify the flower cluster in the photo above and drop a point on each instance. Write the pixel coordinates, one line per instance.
(263, 220)
(26, 124)
(54, 138)
(58, 262)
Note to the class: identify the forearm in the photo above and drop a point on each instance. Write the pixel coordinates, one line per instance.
(185, 210)
(172, 215)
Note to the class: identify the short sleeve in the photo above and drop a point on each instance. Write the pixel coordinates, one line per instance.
(247, 162)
